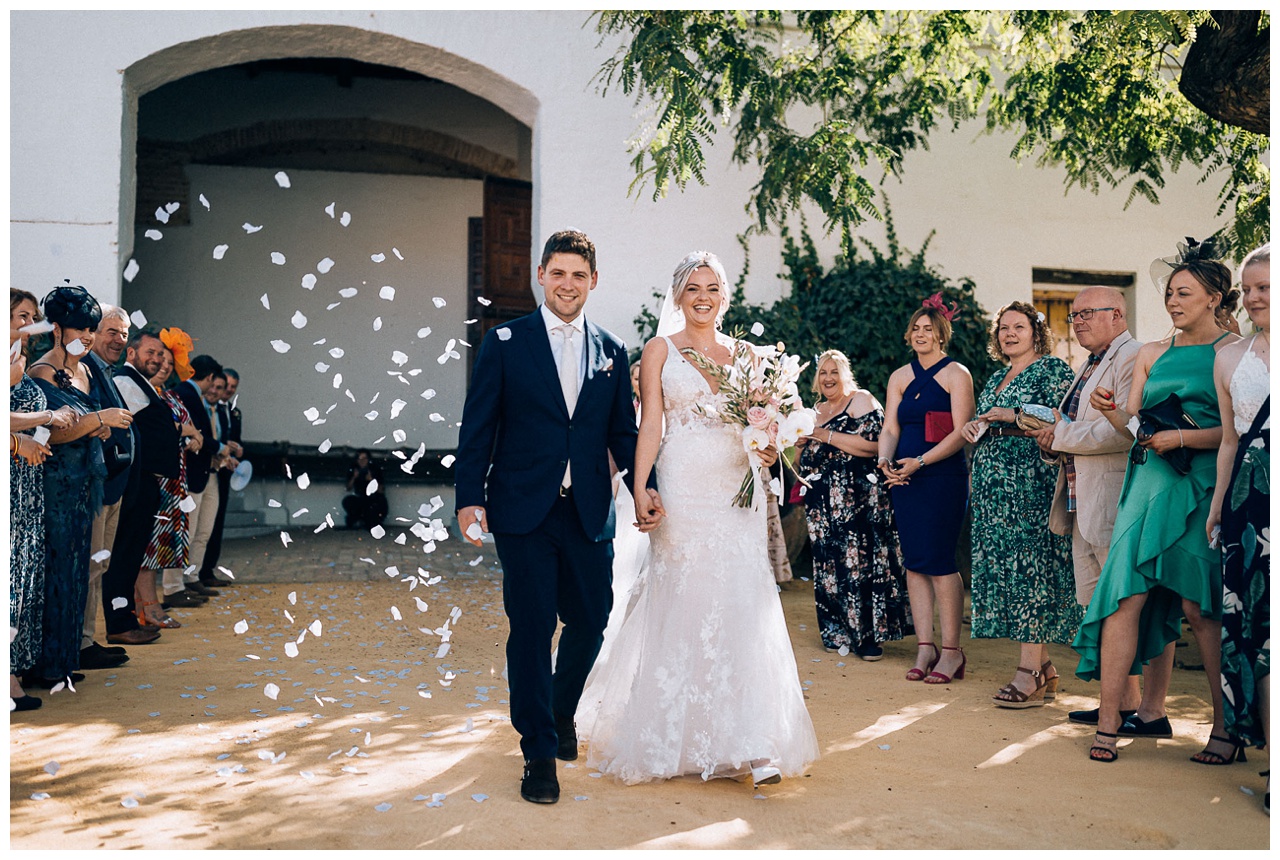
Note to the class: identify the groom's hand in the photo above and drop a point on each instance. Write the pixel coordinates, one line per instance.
(472, 515)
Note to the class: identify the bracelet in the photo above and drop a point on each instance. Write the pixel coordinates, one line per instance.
(13, 444)
(920, 460)
(49, 423)
(882, 460)
(99, 414)
(1181, 444)
(828, 437)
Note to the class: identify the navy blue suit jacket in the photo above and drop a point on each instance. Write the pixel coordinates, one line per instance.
(104, 390)
(199, 462)
(517, 436)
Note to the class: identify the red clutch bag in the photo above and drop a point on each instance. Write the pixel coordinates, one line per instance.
(937, 426)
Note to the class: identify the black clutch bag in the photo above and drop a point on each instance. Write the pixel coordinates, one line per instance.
(1168, 414)
(116, 457)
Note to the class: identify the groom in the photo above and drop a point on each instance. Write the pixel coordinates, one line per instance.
(550, 399)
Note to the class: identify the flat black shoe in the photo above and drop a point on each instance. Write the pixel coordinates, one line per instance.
(183, 599)
(99, 659)
(26, 703)
(200, 589)
(1090, 718)
(567, 734)
(33, 680)
(539, 784)
(105, 649)
(1135, 727)
(869, 651)
(215, 582)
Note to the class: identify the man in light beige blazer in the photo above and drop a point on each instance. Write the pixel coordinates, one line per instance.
(1091, 454)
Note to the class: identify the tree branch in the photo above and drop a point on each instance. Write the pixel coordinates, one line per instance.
(1227, 73)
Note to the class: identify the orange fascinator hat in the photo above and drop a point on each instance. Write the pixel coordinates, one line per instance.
(179, 343)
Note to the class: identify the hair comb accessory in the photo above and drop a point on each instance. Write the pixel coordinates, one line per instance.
(934, 302)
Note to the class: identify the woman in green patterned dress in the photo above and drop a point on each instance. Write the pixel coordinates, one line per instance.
(1023, 582)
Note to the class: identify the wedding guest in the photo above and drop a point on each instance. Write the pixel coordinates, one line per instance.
(1160, 568)
(1241, 506)
(922, 459)
(205, 517)
(859, 583)
(27, 410)
(198, 393)
(230, 427)
(108, 347)
(362, 504)
(73, 478)
(168, 547)
(1091, 456)
(1023, 586)
(158, 456)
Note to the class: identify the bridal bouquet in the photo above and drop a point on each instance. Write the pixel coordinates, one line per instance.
(760, 394)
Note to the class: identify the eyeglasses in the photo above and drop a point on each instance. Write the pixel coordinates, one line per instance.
(1085, 314)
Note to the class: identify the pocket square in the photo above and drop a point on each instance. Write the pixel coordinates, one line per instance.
(608, 367)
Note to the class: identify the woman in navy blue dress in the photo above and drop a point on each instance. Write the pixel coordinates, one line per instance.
(922, 459)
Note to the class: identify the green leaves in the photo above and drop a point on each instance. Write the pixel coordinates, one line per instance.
(820, 100)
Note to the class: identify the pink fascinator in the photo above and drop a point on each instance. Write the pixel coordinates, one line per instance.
(934, 302)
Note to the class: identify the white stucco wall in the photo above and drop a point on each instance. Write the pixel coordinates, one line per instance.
(218, 301)
(995, 220)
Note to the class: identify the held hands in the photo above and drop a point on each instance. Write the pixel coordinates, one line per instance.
(63, 417)
(973, 430)
(649, 511)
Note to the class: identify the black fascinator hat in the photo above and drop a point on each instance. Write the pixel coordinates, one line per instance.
(72, 307)
(1189, 254)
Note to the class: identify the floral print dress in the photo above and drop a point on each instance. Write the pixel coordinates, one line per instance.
(859, 582)
(1024, 585)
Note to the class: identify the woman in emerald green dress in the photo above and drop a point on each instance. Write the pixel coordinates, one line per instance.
(1160, 567)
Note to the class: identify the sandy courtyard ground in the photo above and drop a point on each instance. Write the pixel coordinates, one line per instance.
(374, 742)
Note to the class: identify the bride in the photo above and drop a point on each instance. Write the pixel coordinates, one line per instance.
(699, 677)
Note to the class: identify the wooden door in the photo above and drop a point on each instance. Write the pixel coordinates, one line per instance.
(502, 255)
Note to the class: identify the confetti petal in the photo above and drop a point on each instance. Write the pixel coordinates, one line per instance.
(388, 293)
(291, 649)
(271, 691)
(377, 258)
(220, 251)
(504, 334)
(757, 329)
(280, 346)
(325, 446)
(249, 228)
(378, 532)
(282, 179)
(285, 539)
(154, 235)
(101, 555)
(139, 319)
(299, 319)
(204, 201)
(131, 270)
(438, 302)
(345, 220)
(241, 627)
(187, 505)
(377, 323)
(308, 281)
(277, 258)
(303, 481)
(424, 331)
(266, 302)
(119, 602)
(447, 460)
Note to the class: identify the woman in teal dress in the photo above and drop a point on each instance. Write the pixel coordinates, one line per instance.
(1160, 567)
(1024, 585)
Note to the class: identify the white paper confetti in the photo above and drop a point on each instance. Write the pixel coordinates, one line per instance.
(329, 209)
(388, 293)
(249, 228)
(378, 532)
(757, 329)
(75, 347)
(325, 446)
(129, 802)
(161, 215)
(395, 613)
(377, 258)
(154, 235)
(241, 627)
(377, 323)
(187, 505)
(291, 649)
(280, 346)
(266, 303)
(345, 220)
(337, 352)
(438, 302)
(396, 406)
(424, 331)
(315, 627)
(139, 319)
(447, 460)
(308, 281)
(504, 334)
(101, 555)
(398, 434)
(271, 691)
(303, 481)
(131, 270)
(474, 531)
(204, 201)
(119, 602)
(436, 416)
(277, 258)
(299, 319)
(285, 539)
(282, 179)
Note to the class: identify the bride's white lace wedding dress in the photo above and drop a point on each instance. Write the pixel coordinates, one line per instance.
(700, 677)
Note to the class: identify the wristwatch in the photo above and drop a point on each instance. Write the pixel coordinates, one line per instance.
(920, 460)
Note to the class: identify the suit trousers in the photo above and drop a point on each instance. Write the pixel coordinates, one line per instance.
(133, 532)
(1089, 559)
(555, 571)
(199, 527)
(102, 537)
(214, 548)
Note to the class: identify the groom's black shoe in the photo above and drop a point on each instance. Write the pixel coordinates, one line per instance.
(567, 732)
(539, 784)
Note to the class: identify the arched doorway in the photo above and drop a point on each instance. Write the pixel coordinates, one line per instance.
(348, 197)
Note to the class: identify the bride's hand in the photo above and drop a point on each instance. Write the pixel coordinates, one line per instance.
(649, 510)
